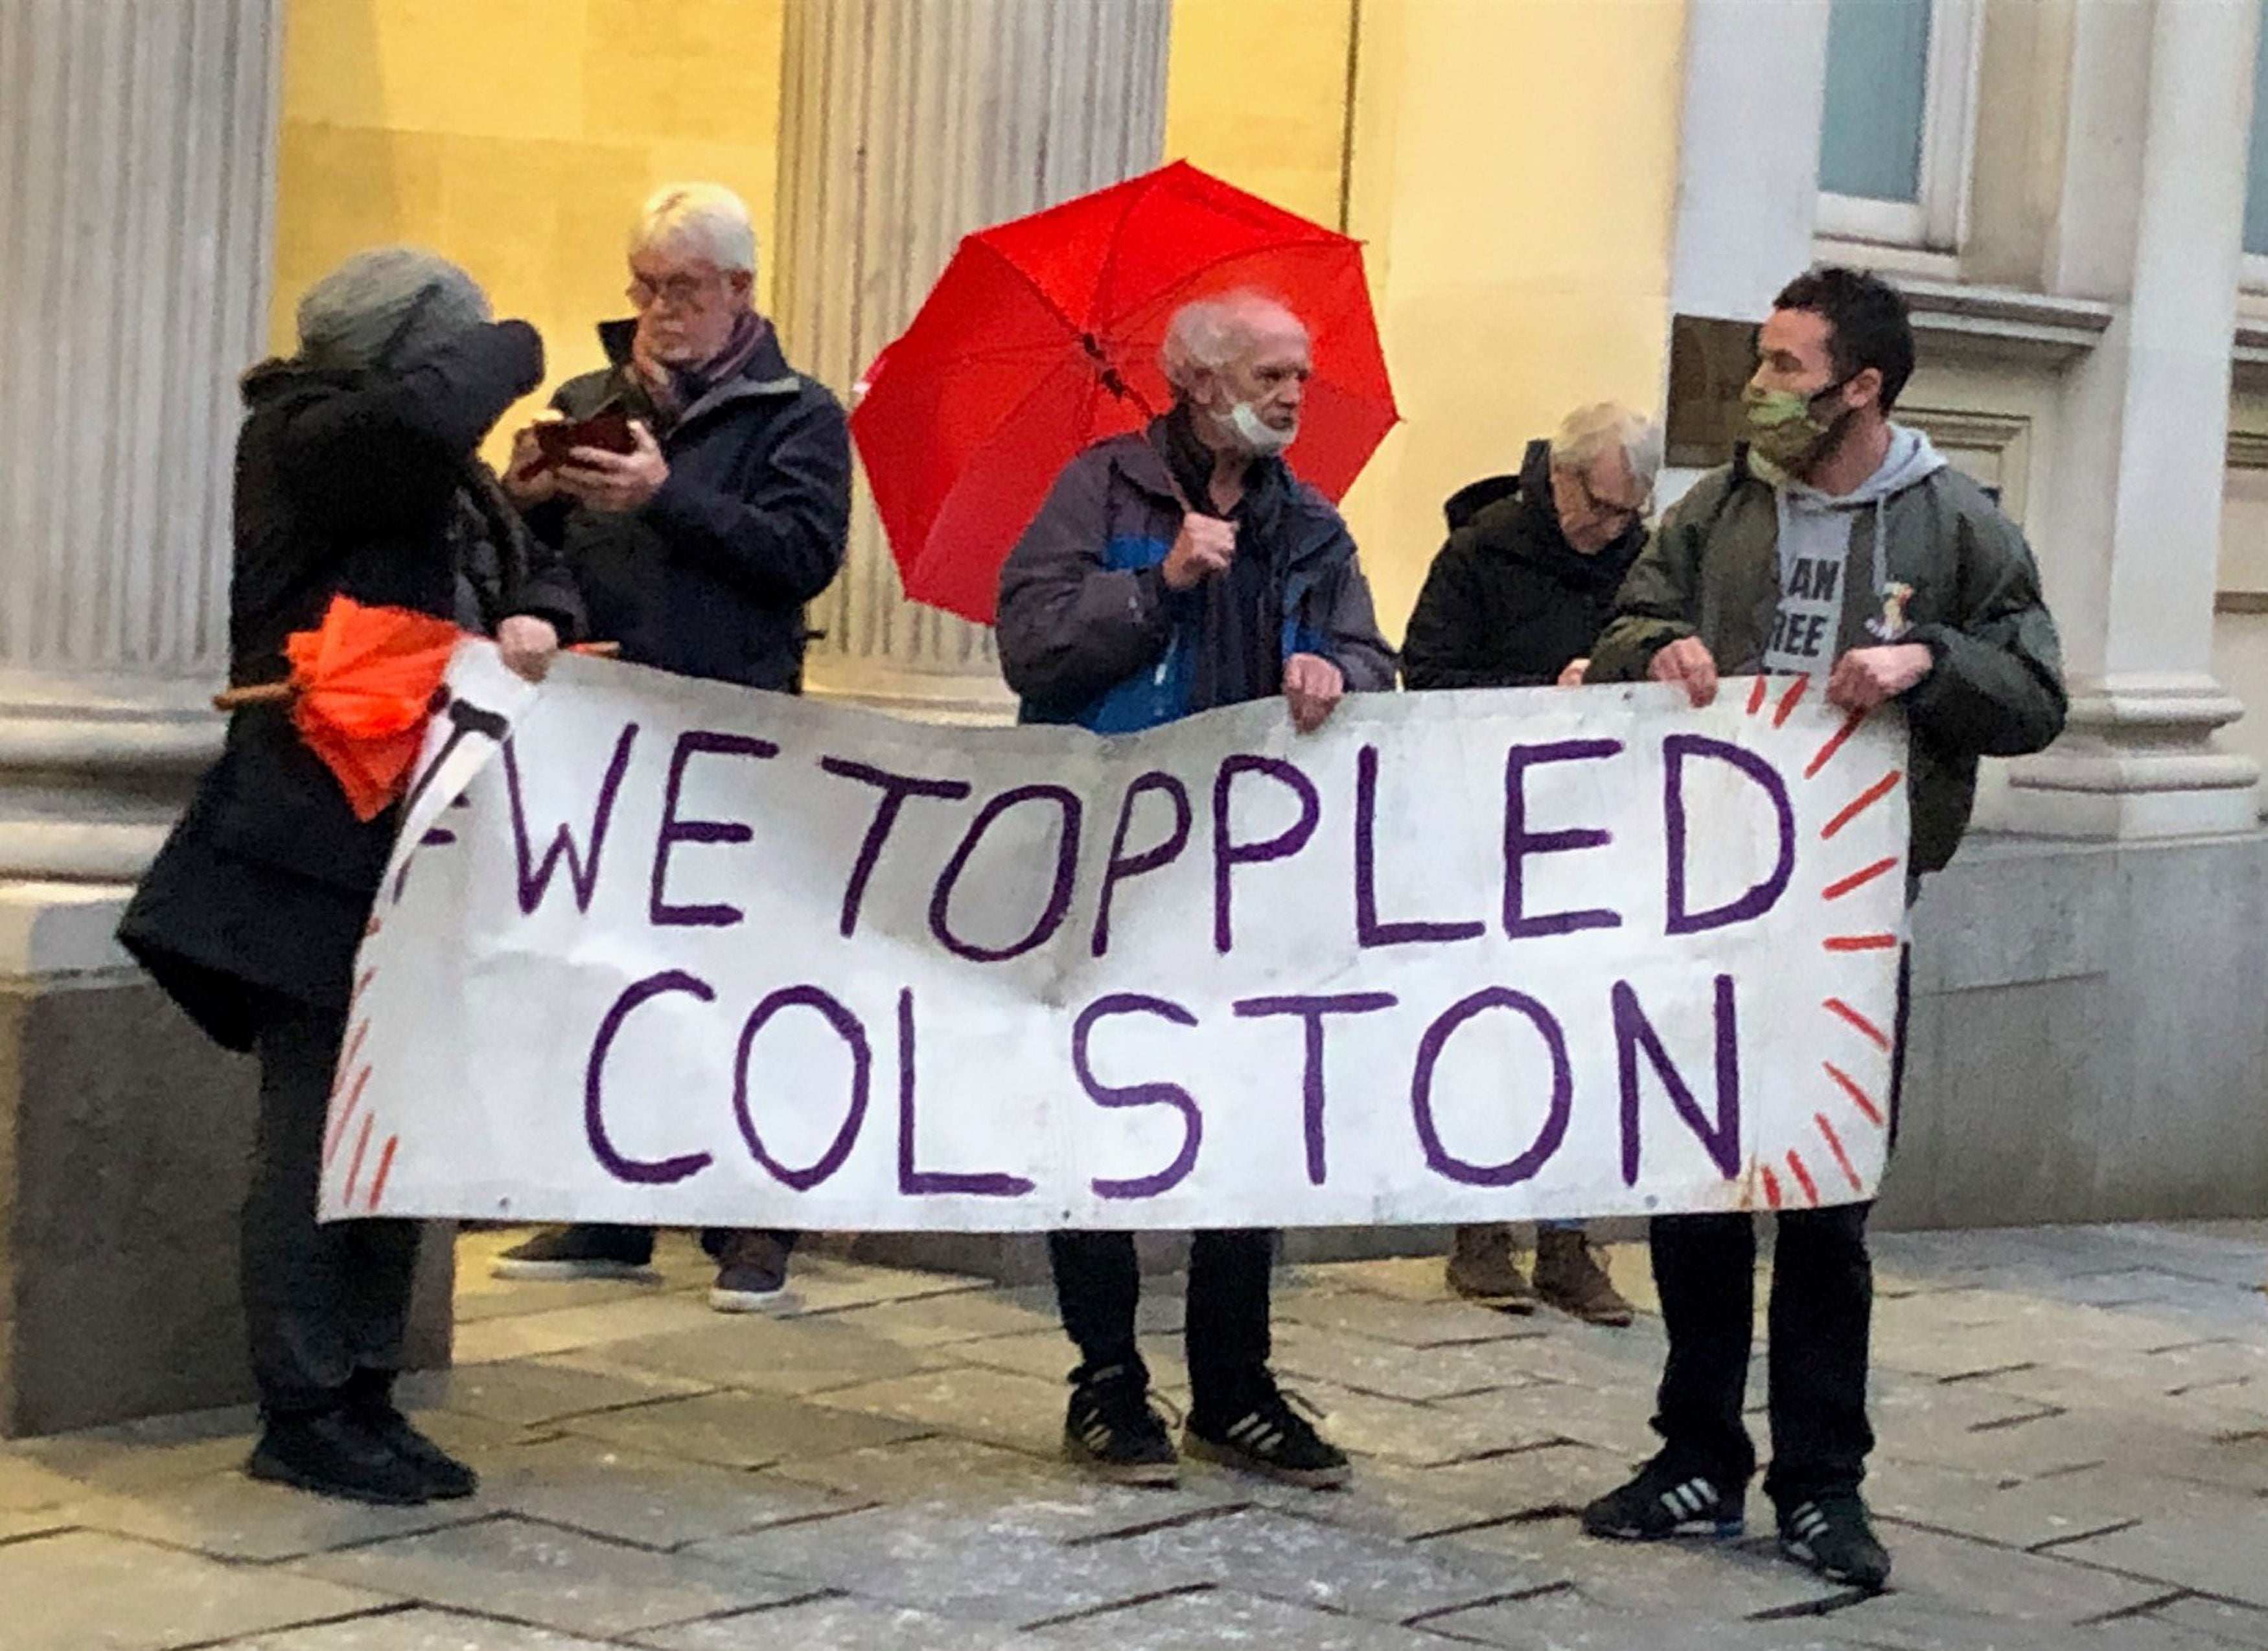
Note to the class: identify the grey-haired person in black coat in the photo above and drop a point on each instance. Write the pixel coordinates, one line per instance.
(1515, 599)
(355, 474)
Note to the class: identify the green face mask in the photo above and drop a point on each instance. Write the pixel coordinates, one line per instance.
(1782, 427)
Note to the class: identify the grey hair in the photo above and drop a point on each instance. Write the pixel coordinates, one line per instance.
(1207, 334)
(1591, 430)
(708, 217)
(386, 304)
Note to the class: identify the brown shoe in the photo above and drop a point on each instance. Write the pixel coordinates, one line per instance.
(1481, 1269)
(1569, 1276)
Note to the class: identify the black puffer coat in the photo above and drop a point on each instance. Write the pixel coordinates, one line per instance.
(1509, 602)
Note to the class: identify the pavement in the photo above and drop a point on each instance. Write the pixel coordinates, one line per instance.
(2073, 1454)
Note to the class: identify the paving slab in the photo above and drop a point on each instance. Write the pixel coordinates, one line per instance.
(2223, 1553)
(1226, 1616)
(969, 1480)
(564, 1329)
(85, 1590)
(836, 1624)
(1319, 1567)
(636, 1496)
(1703, 1580)
(2236, 1625)
(2033, 1514)
(2004, 1584)
(738, 1430)
(1008, 1568)
(998, 1406)
(761, 1353)
(548, 1577)
(420, 1630)
(1443, 1321)
(1563, 1620)
(231, 1517)
(531, 1392)
(962, 1316)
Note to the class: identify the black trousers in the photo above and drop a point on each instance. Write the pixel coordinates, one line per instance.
(324, 1307)
(1818, 1322)
(1099, 1284)
(1820, 1311)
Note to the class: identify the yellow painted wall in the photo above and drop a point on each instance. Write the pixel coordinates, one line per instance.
(1515, 169)
(518, 137)
(1255, 93)
(1513, 179)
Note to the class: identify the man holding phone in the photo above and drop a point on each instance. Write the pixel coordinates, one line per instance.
(701, 492)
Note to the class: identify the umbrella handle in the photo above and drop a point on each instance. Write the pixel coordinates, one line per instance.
(283, 692)
(256, 694)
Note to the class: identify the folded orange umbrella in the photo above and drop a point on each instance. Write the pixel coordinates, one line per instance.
(361, 686)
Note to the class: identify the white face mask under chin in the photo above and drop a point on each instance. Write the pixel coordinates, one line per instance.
(1260, 439)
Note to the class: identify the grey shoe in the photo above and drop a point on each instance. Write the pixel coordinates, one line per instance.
(1481, 1269)
(751, 1275)
(1571, 1278)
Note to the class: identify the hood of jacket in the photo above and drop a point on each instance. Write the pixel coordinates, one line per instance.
(1514, 516)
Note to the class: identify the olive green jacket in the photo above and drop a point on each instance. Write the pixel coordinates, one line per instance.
(1995, 686)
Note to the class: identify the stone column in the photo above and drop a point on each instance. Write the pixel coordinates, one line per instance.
(137, 184)
(2133, 530)
(905, 124)
(137, 160)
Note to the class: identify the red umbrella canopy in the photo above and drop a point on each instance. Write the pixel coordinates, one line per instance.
(1042, 336)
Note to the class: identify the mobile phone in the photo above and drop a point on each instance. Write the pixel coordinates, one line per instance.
(608, 428)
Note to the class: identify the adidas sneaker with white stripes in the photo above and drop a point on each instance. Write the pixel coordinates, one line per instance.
(1663, 1502)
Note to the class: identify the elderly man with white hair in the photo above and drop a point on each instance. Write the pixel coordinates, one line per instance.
(1170, 571)
(1516, 597)
(696, 549)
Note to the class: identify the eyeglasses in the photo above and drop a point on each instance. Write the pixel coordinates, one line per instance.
(678, 291)
(1607, 509)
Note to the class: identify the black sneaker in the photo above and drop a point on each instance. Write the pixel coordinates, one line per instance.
(580, 1252)
(446, 1479)
(751, 1275)
(1270, 1439)
(1662, 1502)
(1111, 1431)
(332, 1454)
(1829, 1533)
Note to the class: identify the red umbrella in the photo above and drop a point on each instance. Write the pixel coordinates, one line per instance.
(1041, 336)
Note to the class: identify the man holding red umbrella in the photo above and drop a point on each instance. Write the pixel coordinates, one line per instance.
(1170, 571)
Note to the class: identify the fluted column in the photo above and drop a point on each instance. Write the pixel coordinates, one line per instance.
(904, 125)
(2135, 516)
(137, 185)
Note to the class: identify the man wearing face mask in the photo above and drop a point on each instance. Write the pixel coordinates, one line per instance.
(1170, 571)
(1837, 545)
(1516, 600)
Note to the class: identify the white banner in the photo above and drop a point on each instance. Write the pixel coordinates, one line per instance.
(690, 953)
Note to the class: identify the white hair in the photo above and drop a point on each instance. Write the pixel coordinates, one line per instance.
(1591, 430)
(1207, 334)
(706, 218)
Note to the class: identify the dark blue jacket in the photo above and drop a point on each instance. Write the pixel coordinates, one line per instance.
(709, 578)
(1090, 634)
